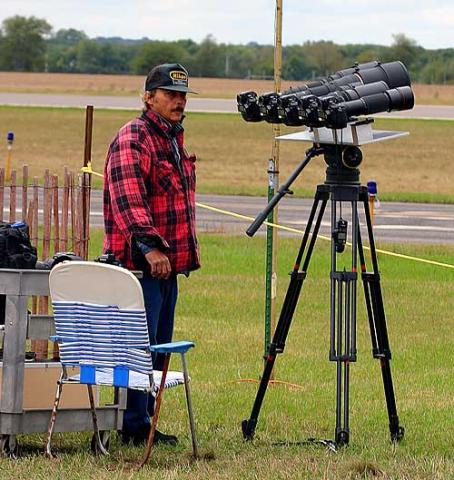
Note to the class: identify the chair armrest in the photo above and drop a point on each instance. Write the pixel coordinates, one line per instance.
(173, 347)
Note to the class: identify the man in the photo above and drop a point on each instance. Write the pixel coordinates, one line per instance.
(149, 215)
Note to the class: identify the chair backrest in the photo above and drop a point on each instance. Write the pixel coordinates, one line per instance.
(100, 319)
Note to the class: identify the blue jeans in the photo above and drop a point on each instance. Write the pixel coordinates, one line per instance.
(160, 299)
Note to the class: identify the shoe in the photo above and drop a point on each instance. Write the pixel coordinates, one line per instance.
(160, 437)
(141, 438)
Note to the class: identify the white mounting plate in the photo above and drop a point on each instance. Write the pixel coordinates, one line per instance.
(346, 136)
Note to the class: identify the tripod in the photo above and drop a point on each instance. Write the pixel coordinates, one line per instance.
(341, 186)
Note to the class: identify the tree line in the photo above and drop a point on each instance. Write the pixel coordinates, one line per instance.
(29, 44)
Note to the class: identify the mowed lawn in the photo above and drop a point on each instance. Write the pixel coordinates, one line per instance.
(221, 309)
(233, 154)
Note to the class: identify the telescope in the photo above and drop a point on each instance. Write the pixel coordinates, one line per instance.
(312, 104)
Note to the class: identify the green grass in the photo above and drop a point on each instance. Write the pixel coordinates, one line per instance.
(233, 155)
(221, 309)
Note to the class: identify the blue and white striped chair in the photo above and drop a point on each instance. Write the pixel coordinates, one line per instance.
(101, 328)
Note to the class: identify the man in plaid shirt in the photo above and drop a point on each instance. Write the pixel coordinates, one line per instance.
(149, 215)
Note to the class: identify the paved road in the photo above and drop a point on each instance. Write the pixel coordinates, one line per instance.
(394, 222)
(194, 104)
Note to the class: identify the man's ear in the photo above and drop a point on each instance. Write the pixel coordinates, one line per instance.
(148, 96)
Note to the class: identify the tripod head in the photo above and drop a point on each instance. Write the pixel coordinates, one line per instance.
(340, 148)
(343, 163)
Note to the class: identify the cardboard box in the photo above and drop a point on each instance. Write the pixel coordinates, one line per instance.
(40, 384)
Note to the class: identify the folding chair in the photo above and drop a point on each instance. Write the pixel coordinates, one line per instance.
(101, 328)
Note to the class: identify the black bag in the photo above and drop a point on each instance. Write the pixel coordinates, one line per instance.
(16, 251)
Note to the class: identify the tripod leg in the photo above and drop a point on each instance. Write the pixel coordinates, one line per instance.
(297, 277)
(377, 321)
(343, 318)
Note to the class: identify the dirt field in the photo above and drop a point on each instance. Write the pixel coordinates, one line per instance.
(207, 87)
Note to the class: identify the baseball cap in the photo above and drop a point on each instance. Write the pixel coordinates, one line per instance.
(168, 76)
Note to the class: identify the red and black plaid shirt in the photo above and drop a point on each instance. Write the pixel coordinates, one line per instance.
(149, 194)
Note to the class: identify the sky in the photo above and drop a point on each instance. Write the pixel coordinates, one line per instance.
(429, 22)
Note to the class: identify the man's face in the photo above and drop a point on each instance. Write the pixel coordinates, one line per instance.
(169, 104)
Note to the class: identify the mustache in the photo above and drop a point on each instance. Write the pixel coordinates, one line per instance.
(178, 109)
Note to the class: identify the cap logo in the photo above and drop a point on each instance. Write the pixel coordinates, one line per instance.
(178, 77)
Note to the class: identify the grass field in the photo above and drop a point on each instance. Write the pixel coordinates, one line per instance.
(233, 155)
(206, 87)
(221, 309)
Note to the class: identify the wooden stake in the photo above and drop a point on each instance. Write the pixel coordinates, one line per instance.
(86, 182)
(13, 197)
(25, 192)
(54, 181)
(73, 212)
(42, 346)
(29, 220)
(65, 212)
(35, 235)
(273, 186)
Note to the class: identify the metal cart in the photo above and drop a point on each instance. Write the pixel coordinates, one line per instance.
(18, 286)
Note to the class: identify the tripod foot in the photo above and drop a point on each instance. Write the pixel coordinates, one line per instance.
(397, 434)
(342, 438)
(248, 427)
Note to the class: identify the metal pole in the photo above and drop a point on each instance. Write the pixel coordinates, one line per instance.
(273, 185)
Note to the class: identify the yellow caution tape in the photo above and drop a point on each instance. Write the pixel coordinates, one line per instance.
(295, 230)
(88, 169)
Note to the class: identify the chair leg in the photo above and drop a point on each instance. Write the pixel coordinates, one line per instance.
(157, 407)
(195, 452)
(99, 443)
(53, 417)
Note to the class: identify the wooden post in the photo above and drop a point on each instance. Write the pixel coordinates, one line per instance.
(86, 190)
(73, 212)
(13, 197)
(273, 185)
(78, 216)
(54, 182)
(86, 182)
(42, 346)
(54, 192)
(29, 220)
(47, 215)
(25, 193)
(65, 212)
(34, 235)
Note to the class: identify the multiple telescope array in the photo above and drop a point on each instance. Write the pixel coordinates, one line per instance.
(334, 100)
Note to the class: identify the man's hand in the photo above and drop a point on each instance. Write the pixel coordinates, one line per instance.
(159, 263)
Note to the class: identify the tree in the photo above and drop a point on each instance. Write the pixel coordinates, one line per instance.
(23, 46)
(155, 53)
(438, 70)
(209, 59)
(325, 57)
(68, 37)
(61, 50)
(238, 61)
(294, 63)
(404, 49)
